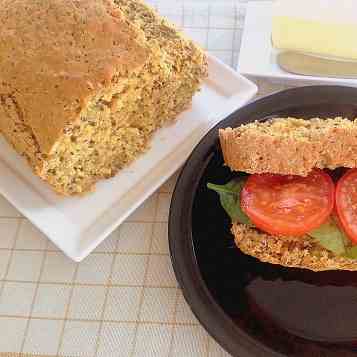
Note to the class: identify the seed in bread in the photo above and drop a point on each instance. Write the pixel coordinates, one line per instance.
(84, 84)
(290, 146)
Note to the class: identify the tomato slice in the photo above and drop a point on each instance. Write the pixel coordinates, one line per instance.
(288, 204)
(346, 203)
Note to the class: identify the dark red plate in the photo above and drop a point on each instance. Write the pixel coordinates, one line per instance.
(251, 308)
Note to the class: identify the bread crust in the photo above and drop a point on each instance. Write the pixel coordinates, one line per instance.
(290, 146)
(288, 252)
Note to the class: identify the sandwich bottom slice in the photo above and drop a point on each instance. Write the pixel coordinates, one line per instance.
(301, 252)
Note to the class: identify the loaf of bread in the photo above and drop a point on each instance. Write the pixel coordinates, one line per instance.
(290, 146)
(85, 83)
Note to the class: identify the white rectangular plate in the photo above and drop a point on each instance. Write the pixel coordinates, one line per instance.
(258, 57)
(78, 225)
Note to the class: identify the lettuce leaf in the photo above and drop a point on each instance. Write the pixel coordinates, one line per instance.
(351, 252)
(229, 195)
(329, 236)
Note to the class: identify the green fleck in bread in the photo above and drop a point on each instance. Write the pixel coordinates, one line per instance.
(84, 84)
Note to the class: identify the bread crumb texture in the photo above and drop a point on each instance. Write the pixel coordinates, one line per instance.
(288, 251)
(290, 146)
(84, 84)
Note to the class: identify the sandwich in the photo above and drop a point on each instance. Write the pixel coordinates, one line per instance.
(293, 198)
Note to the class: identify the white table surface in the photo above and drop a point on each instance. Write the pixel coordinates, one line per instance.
(123, 300)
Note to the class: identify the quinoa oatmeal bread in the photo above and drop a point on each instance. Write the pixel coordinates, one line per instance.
(290, 146)
(85, 83)
(288, 251)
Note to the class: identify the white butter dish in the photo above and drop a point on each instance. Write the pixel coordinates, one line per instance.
(258, 58)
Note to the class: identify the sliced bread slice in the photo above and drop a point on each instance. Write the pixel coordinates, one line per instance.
(288, 251)
(290, 146)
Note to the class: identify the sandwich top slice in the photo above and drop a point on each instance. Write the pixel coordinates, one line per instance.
(293, 200)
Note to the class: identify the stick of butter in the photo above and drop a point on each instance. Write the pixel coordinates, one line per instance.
(319, 27)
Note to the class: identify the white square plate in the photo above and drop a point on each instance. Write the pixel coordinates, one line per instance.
(258, 57)
(78, 225)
